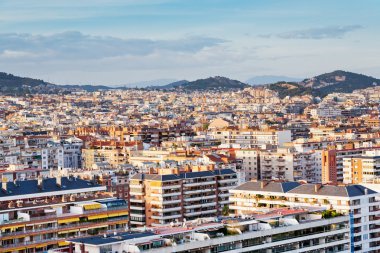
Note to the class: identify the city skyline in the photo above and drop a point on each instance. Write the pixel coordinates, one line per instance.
(118, 42)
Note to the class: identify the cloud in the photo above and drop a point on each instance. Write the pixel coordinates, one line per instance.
(329, 32)
(10, 54)
(75, 45)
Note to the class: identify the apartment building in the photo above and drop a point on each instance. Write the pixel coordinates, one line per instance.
(332, 162)
(158, 199)
(66, 153)
(357, 202)
(249, 163)
(362, 169)
(248, 138)
(153, 135)
(281, 230)
(39, 215)
(307, 167)
(326, 111)
(276, 165)
(114, 152)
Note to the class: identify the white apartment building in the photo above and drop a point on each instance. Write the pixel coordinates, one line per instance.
(326, 111)
(357, 202)
(363, 168)
(63, 154)
(292, 231)
(276, 165)
(248, 138)
(249, 162)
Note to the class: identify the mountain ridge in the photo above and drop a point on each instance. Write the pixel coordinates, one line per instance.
(268, 79)
(324, 84)
(320, 85)
(210, 83)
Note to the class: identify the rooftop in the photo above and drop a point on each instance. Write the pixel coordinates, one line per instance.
(28, 187)
(307, 189)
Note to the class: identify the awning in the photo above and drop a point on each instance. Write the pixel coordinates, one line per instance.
(68, 231)
(117, 214)
(69, 220)
(99, 216)
(64, 243)
(39, 245)
(12, 227)
(92, 206)
(15, 249)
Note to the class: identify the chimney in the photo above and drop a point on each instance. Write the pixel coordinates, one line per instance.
(40, 182)
(263, 184)
(59, 181)
(317, 187)
(71, 247)
(82, 248)
(366, 191)
(4, 181)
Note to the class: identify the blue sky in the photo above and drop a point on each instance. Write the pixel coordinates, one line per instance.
(120, 42)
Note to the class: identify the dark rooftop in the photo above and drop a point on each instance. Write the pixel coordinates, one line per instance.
(99, 240)
(310, 189)
(49, 185)
(268, 186)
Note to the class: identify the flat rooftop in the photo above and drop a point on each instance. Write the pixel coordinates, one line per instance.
(99, 240)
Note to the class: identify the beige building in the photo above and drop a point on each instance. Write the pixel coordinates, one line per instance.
(158, 199)
(113, 152)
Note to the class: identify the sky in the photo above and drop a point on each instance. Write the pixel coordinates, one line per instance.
(114, 42)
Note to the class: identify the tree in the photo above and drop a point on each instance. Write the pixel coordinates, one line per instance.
(226, 210)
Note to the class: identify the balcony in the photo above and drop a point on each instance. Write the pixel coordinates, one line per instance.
(224, 194)
(166, 187)
(197, 191)
(166, 210)
(54, 217)
(199, 183)
(200, 205)
(189, 199)
(230, 180)
(136, 186)
(141, 208)
(63, 228)
(168, 217)
(224, 188)
(169, 194)
(161, 201)
(135, 200)
(137, 215)
(190, 214)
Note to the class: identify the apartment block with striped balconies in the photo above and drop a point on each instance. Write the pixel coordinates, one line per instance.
(39, 215)
(159, 199)
(357, 202)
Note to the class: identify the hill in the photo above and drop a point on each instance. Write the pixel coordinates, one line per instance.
(322, 85)
(261, 80)
(217, 82)
(14, 85)
(169, 86)
(289, 89)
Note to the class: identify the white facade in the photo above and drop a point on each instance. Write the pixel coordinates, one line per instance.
(249, 165)
(63, 154)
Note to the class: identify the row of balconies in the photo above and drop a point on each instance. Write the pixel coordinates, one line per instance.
(53, 217)
(59, 228)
